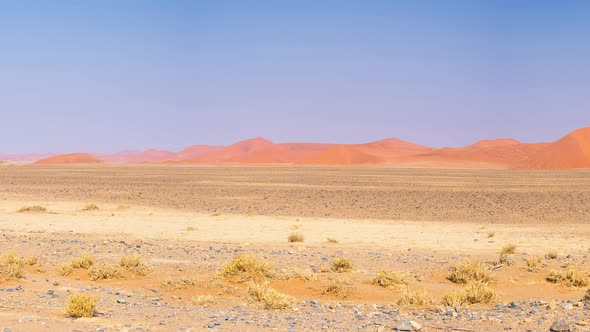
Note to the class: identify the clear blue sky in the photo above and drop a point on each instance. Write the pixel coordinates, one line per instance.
(105, 75)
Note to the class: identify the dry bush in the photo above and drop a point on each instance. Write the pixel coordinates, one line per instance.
(468, 271)
(417, 298)
(587, 296)
(104, 271)
(90, 207)
(295, 237)
(203, 300)
(269, 297)
(33, 209)
(339, 287)
(508, 249)
(552, 255)
(247, 268)
(571, 277)
(11, 266)
(452, 299)
(81, 305)
(66, 269)
(85, 261)
(332, 240)
(478, 292)
(134, 264)
(491, 234)
(341, 264)
(32, 260)
(533, 263)
(305, 275)
(389, 279)
(505, 259)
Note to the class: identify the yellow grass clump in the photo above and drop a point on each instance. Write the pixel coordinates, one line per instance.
(104, 271)
(332, 240)
(587, 296)
(90, 207)
(134, 264)
(571, 277)
(339, 287)
(203, 300)
(81, 305)
(11, 266)
(269, 297)
(533, 263)
(552, 255)
(452, 299)
(468, 271)
(508, 249)
(491, 234)
(341, 264)
(247, 268)
(33, 209)
(479, 292)
(414, 298)
(389, 279)
(295, 237)
(66, 269)
(85, 261)
(32, 260)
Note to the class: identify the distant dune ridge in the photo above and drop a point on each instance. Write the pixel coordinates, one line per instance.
(570, 152)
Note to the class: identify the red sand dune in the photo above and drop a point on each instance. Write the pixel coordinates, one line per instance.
(570, 152)
(72, 158)
(195, 151)
(150, 155)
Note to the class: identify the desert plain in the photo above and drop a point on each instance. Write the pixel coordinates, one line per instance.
(332, 248)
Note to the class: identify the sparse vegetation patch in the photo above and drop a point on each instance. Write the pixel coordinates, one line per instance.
(11, 266)
(470, 271)
(295, 237)
(81, 305)
(246, 268)
(341, 264)
(269, 297)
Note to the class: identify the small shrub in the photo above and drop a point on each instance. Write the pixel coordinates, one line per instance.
(452, 299)
(552, 255)
(332, 240)
(295, 237)
(85, 261)
(32, 260)
(203, 300)
(491, 234)
(247, 268)
(134, 264)
(11, 266)
(389, 279)
(417, 298)
(587, 296)
(504, 259)
(533, 263)
(90, 207)
(478, 292)
(103, 271)
(508, 249)
(468, 271)
(570, 277)
(341, 264)
(33, 209)
(342, 288)
(306, 275)
(269, 297)
(81, 305)
(66, 269)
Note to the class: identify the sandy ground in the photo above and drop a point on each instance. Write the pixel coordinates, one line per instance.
(193, 242)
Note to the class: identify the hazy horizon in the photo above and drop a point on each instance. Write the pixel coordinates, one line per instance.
(115, 76)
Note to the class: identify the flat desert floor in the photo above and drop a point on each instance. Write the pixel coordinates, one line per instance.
(188, 222)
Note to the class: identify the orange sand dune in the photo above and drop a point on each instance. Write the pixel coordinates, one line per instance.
(571, 151)
(150, 155)
(195, 151)
(72, 158)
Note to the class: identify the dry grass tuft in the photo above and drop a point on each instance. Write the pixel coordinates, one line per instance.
(81, 305)
(247, 268)
(508, 249)
(32, 260)
(295, 237)
(179, 284)
(552, 255)
(479, 292)
(587, 296)
(417, 298)
(11, 266)
(269, 297)
(389, 279)
(341, 264)
(134, 264)
(305, 275)
(470, 271)
(85, 261)
(33, 209)
(203, 300)
(570, 277)
(90, 207)
(66, 269)
(491, 234)
(104, 271)
(452, 299)
(339, 287)
(533, 263)
(331, 240)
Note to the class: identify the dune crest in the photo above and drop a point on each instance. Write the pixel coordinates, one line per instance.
(72, 158)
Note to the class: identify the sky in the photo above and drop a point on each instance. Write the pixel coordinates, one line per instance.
(110, 75)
